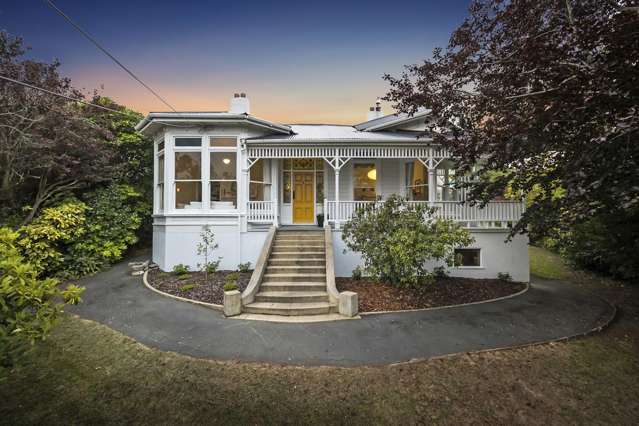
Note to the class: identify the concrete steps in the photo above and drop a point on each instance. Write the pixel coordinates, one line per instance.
(294, 282)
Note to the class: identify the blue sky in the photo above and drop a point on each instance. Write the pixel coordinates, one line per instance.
(298, 61)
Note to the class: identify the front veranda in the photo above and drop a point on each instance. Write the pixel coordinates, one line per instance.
(296, 185)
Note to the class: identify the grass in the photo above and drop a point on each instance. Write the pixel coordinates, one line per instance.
(89, 374)
(546, 264)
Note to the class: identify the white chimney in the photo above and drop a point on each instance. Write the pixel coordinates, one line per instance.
(240, 104)
(375, 111)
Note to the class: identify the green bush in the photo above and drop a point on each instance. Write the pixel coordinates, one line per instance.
(504, 276)
(357, 273)
(181, 269)
(187, 287)
(244, 267)
(440, 272)
(29, 306)
(230, 286)
(77, 238)
(397, 239)
(607, 244)
(211, 267)
(113, 217)
(46, 240)
(232, 276)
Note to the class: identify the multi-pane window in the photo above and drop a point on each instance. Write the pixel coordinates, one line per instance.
(416, 181)
(223, 172)
(188, 180)
(364, 182)
(468, 257)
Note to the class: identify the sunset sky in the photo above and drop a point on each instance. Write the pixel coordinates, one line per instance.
(298, 61)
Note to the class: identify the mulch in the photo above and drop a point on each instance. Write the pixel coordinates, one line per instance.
(374, 296)
(211, 291)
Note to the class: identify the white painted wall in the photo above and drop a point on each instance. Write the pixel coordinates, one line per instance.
(497, 256)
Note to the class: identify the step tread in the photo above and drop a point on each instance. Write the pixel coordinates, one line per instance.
(293, 294)
(292, 283)
(294, 275)
(293, 267)
(290, 306)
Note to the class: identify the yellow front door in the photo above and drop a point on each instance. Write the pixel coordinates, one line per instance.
(303, 198)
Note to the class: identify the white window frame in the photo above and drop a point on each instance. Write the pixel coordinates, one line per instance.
(481, 258)
(179, 149)
(208, 149)
(159, 187)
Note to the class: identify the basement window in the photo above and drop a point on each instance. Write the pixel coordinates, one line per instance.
(468, 258)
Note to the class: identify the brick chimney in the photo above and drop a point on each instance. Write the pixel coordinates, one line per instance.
(240, 104)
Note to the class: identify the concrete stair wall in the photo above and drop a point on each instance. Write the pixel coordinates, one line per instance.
(295, 279)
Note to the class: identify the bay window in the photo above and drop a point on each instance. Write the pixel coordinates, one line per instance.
(446, 189)
(160, 187)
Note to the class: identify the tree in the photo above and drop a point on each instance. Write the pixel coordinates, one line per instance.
(398, 240)
(48, 146)
(545, 93)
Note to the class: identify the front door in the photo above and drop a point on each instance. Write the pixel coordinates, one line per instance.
(303, 198)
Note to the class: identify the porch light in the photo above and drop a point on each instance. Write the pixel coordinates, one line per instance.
(372, 174)
(226, 161)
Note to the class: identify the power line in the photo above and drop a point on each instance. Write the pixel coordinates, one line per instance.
(22, 83)
(92, 40)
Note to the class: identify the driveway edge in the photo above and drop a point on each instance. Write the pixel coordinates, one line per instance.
(213, 306)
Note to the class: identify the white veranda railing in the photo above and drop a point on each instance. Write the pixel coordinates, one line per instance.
(493, 214)
(260, 211)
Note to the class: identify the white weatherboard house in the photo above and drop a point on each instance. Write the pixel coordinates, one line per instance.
(261, 186)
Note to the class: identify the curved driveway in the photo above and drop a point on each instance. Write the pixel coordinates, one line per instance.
(549, 310)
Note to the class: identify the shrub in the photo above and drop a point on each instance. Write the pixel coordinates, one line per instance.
(357, 273)
(211, 267)
(45, 240)
(231, 286)
(28, 305)
(232, 276)
(397, 239)
(244, 267)
(504, 276)
(187, 287)
(181, 269)
(440, 272)
(113, 217)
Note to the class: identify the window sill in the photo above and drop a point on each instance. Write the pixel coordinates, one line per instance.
(470, 267)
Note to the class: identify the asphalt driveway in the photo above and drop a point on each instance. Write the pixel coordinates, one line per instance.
(549, 310)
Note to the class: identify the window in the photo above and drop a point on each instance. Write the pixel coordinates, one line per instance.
(446, 190)
(364, 182)
(223, 179)
(183, 142)
(416, 181)
(286, 196)
(188, 184)
(319, 186)
(223, 172)
(468, 257)
(257, 183)
(161, 181)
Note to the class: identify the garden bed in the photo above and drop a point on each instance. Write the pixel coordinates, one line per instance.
(375, 297)
(194, 286)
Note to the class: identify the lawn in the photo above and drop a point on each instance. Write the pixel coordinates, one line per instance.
(88, 373)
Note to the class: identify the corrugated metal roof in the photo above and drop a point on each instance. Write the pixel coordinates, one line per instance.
(330, 132)
(391, 120)
(207, 116)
